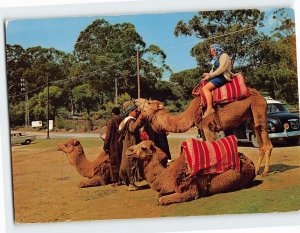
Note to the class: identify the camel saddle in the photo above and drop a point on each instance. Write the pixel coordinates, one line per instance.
(211, 157)
(231, 91)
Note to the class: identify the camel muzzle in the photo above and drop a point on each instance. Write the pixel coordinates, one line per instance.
(60, 147)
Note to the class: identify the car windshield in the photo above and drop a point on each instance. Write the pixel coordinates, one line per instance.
(277, 108)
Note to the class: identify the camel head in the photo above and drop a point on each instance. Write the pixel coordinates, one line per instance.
(148, 107)
(73, 150)
(145, 151)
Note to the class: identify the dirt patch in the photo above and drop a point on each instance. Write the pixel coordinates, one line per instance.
(45, 188)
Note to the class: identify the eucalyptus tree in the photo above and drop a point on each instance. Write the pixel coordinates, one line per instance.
(32, 69)
(273, 66)
(236, 30)
(186, 80)
(17, 62)
(105, 51)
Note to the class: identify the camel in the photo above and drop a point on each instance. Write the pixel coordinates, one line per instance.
(226, 117)
(175, 185)
(97, 171)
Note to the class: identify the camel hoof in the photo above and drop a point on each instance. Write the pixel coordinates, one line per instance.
(160, 202)
(264, 174)
(132, 188)
(81, 184)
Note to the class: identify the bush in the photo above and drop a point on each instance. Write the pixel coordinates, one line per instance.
(59, 122)
(68, 125)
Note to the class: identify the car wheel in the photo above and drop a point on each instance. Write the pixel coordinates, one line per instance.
(254, 141)
(292, 141)
(27, 142)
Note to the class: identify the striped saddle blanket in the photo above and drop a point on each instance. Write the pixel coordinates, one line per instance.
(231, 91)
(211, 157)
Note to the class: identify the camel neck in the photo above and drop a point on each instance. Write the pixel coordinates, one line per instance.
(163, 121)
(158, 176)
(84, 166)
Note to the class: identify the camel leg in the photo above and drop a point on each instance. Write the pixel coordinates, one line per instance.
(209, 134)
(232, 180)
(265, 150)
(261, 153)
(259, 110)
(267, 145)
(94, 181)
(191, 194)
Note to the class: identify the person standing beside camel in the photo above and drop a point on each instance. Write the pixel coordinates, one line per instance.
(111, 145)
(218, 76)
(160, 139)
(129, 136)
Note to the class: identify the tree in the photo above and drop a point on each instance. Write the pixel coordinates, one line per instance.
(272, 67)
(268, 61)
(186, 80)
(17, 63)
(234, 29)
(84, 98)
(105, 52)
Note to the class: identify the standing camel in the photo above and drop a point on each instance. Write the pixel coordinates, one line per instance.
(226, 117)
(174, 183)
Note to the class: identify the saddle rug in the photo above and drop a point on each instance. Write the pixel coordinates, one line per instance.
(211, 157)
(231, 91)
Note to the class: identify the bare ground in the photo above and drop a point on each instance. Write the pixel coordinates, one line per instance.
(45, 188)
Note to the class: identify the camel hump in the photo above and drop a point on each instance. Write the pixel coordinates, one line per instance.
(102, 157)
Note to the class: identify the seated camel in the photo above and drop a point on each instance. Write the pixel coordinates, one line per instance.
(97, 171)
(174, 183)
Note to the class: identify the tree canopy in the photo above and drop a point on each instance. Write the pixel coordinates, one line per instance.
(83, 82)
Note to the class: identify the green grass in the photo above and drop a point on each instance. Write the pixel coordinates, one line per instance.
(245, 201)
(53, 142)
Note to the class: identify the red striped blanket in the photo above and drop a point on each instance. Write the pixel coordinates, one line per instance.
(211, 157)
(231, 91)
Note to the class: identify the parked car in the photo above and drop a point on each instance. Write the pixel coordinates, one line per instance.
(282, 125)
(21, 138)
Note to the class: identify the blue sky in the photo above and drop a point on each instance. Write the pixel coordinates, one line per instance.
(62, 33)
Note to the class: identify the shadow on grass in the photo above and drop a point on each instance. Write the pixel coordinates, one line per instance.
(276, 168)
(275, 143)
(254, 183)
(145, 186)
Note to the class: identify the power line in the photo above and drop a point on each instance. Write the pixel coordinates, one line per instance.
(77, 77)
(229, 33)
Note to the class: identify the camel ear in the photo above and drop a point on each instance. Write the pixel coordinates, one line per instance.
(76, 142)
(160, 107)
(152, 147)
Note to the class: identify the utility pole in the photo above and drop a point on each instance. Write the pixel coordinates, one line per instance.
(26, 106)
(48, 106)
(138, 72)
(116, 91)
(25, 89)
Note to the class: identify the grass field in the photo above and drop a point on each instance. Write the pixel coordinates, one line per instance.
(45, 188)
